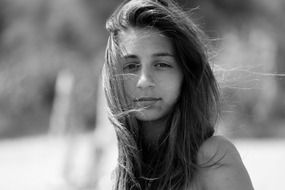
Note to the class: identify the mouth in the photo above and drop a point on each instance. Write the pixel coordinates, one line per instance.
(146, 102)
(147, 99)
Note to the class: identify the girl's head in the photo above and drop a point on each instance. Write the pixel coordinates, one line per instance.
(157, 67)
(152, 77)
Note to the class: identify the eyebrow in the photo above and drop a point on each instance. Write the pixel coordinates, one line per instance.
(163, 55)
(131, 56)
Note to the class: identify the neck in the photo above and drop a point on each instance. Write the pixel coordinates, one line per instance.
(151, 132)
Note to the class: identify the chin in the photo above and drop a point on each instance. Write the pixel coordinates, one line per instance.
(146, 116)
(150, 115)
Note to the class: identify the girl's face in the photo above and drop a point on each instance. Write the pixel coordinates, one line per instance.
(152, 77)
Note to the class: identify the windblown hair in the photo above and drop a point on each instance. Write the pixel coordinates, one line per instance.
(194, 115)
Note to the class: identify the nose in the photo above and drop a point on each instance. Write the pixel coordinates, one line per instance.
(145, 80)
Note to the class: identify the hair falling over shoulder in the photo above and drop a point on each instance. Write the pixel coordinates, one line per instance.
(194, 115)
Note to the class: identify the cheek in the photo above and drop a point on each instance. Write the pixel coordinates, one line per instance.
(175, 88)
(173, 83)
(130, 86)
(170, 93)
(174, 92)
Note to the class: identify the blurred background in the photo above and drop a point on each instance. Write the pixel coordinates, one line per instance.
(53, 128)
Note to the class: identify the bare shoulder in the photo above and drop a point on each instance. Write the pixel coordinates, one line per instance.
(221, 167)
(218, 149)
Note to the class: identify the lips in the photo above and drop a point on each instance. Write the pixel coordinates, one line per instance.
(146, 101)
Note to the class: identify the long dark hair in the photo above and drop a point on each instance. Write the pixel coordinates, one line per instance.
(194, 115)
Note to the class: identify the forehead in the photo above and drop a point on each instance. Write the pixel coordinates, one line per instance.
(136, 40)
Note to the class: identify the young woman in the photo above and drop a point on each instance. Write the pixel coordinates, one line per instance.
(164, 101)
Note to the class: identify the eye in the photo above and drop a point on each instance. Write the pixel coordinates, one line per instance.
(131, 67)
(162, 65)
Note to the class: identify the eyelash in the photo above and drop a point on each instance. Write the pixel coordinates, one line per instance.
(163, 65)
(133, 67)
